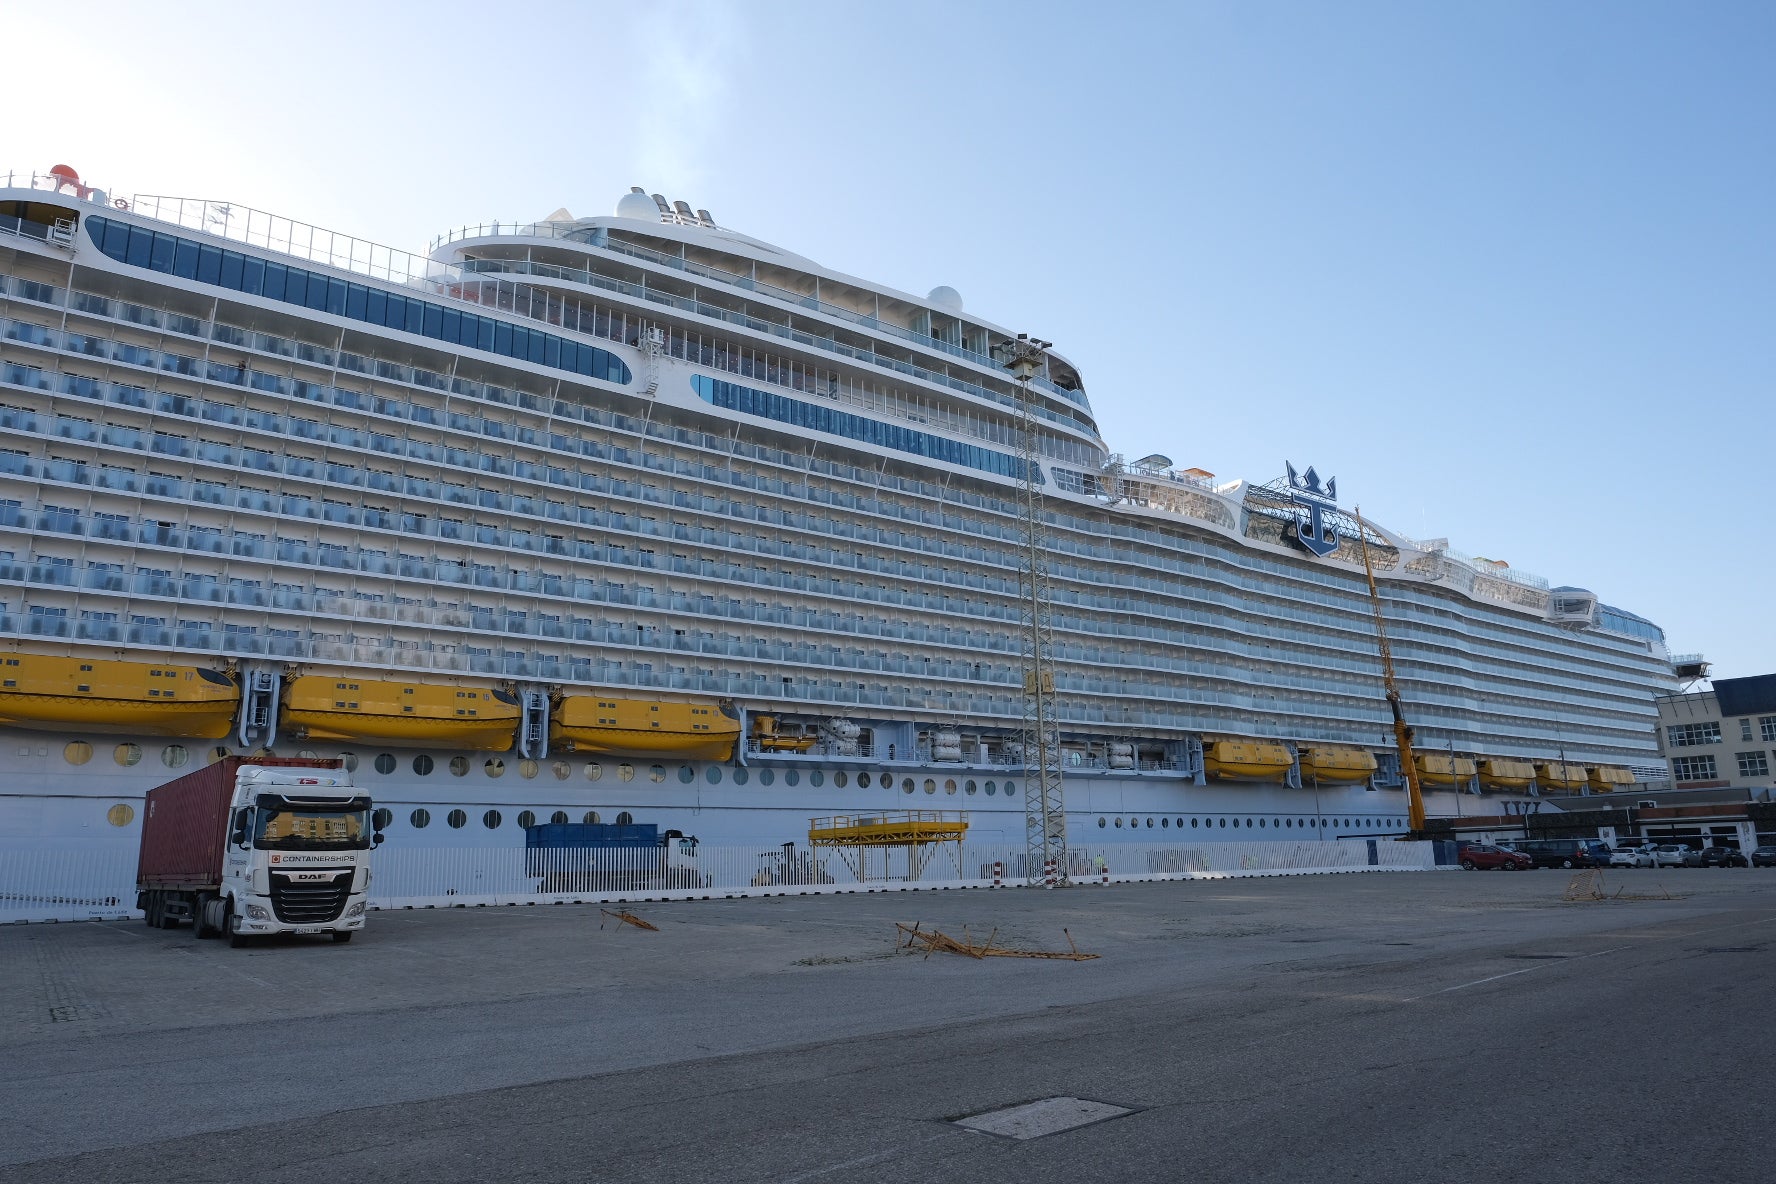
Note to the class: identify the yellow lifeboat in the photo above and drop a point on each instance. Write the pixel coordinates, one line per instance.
(1337, 766)
(1246, 760)
(401, 714)
(764, 735)
(1554, 775)
(1499, 773)
(1439, 768)
(1608, 778)
(138, 698)
(642, 727)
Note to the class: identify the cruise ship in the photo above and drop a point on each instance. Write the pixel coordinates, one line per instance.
(635, 518)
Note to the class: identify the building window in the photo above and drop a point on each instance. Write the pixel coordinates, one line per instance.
(1767, 726)
(1745, 729)
(1693, 768)
(1754, 764)
(1690, 735)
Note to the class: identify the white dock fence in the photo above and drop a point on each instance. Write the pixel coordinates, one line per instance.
(74, 885)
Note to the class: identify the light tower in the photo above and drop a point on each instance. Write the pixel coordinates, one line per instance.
(1045, 815)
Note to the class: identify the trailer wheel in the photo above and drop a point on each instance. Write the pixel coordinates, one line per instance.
(200, 925)
(236, 938)
(151, 910)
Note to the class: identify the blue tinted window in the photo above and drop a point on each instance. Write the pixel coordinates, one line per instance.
(116, 242)
(376, 307)
(502, 338)
(317, 292)
(296, 285)
(161, 258)
(336, 292)
(276, 280)
(141, 246)
(434, 322)
(185, 260)
(252, 275)
(231, 270)
(209, 264)
(415, 316)
(356, 297)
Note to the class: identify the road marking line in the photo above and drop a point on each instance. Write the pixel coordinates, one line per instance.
(1510, 973)
(861, 1161)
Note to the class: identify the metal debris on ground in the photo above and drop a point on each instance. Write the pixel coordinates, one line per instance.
(1662, 894)
(933, 941)
(628, 918)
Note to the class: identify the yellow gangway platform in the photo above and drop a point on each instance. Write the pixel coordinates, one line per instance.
(920, 833)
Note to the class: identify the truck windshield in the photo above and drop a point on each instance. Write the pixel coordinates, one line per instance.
(290, 826)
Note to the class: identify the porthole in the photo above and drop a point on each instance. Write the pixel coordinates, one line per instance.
(491, 820)
(1193, 824)
(1119, 824)
(494, 766)
(422, 765)
(906, 785)
(1102, 823)
(1261, 824)
(219, 752)
(1164, 822)
(594, 770)
(456, 819)
(791, 777)
(459, 766)
(992, 788)
(592, 818)
(713, 774)
(1011, 789)
(526, 819)
(656, 773)
(174, 756)
(1236, 824)
(307, 754)
(380, 818)
(817, 778)
(385, 763)
(77, 752)
(561, 769)
(1150, 824)
(841, 779)
(686, 774)
(863, 780)
(767, 776)
(1248, 823)
(1287, 823)
(559, 818)
(930, 785)
(968, 787)
(625, 772)
(742, 776)
(121, 814)
(349, 761)
(625, 819)
(528, 769)
(949, 785)
(1223, 824)
(1180, 824)
(420, 819)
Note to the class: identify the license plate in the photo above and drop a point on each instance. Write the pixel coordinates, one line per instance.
(311, 929)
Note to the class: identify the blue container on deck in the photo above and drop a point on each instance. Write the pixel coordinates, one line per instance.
(592, 834)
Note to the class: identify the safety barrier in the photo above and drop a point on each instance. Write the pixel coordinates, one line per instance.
(72, 885)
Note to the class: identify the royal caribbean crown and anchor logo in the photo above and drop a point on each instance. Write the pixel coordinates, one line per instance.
(1315, 534)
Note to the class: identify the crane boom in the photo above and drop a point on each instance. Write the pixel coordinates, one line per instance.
(1415, 810)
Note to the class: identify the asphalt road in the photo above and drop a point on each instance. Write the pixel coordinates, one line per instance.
(1410, 1026)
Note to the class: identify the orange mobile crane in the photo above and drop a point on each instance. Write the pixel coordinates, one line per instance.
(1415, 808)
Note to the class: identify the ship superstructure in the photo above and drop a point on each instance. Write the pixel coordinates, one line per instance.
(642, 493)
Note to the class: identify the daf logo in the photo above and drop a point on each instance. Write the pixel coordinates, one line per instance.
(1305, 490)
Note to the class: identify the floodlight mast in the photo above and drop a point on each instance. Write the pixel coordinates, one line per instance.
(1045, 814)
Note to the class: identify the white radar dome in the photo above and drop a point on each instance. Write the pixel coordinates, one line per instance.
(639, 206)
(945, 296)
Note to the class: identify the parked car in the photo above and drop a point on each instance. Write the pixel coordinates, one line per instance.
(1715, 857)
(1764, 857)
(1565, 852)
(1481, 856)
(1669, 855)
(1631, 857)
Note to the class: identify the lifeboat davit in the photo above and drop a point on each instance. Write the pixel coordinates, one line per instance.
(1499, 773)
(1246, 760)
(400, 714)
(1337, 766)
(642, 727)
(767, 739)
(1554, 775)
(136, 698)
(1608, 778)
(1439, 768)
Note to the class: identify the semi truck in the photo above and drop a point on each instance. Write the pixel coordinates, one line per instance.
(252, 846)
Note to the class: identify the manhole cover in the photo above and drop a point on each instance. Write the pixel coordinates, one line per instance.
(1032, 1120)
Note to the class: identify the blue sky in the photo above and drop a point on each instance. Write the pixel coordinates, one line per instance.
(1505, 269)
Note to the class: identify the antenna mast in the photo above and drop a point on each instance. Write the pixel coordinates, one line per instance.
(1045, 815)
(1415, 810)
